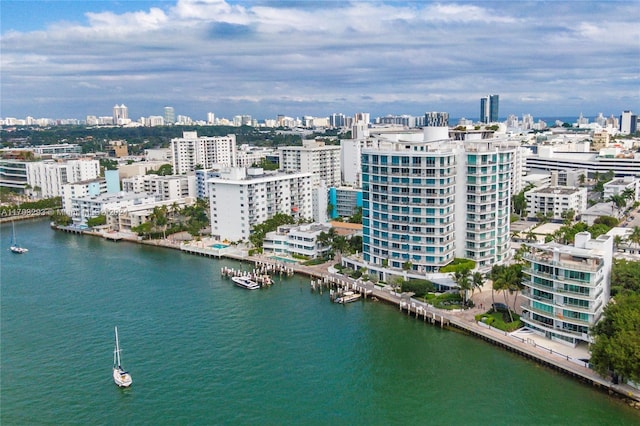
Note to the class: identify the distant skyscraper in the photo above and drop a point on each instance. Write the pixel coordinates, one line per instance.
(169, 115)
(489, 109)
(120, 112)
(436, 119)
(211, 118)
(628, 122)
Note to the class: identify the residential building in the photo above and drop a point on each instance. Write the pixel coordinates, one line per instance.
(120, 114)
(301, 240)
(49, 176)
(344, 201)
(628, 122)
(598, 210)
(192, 152)
(139, 168)
(489, 106)
(241, 198)
(428, 199)
(169, 115)
(436, 119)
(89, 188)
(13, 174)
(87, 207)
(202, 176)
(131, 216)
(621, 186)
(322, 161)
(171, 187)
(250, 156)
(567, 287)
(553, 201)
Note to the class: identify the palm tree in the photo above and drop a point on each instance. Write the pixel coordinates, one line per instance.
(477, 282)
(628, 194)
(634, 237)
(462, 279)
(617, 240)
(619, 201)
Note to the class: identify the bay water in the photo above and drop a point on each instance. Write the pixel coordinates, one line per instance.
(202, 351)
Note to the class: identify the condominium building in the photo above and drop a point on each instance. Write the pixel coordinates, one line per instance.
(13, 174)
(553, 201)
(241, 198)
(322, 161)
(621, 186)
(202, 176)
(489, 108)
(248, 156)
(428, 199)
(88, 188)
(299, 240)
(130, 216)
(567, 287)
(191, 152)
(164, 187)
(85, 208)
(344, 201)
(49, 175)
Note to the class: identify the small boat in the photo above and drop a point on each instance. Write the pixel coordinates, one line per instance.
(348, 297)
(246, 283)
(121, 377)
(15, 247)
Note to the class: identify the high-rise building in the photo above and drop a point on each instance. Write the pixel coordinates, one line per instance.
(628, 122)
(211, 118)
(169, 115)
(427, 200)
(191, 152)
(241, 198)
(313, 157)
(120, 113)
(567, 287)
(438, 119)
(489, 109)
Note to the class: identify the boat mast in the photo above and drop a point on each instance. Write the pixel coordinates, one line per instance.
(117, 351)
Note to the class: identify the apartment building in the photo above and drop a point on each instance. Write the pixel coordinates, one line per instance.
(85, 208)
(322, 161)
(344, 201)
(428, 199)
(299, 240)
(49, 175)
(191, 152)
(567, 287)
(164, 187)
(241, 198)
(553, 201)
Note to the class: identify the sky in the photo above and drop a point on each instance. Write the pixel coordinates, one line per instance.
(70, 59)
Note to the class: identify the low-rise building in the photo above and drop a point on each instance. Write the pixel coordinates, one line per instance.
(622, 186)
(556, 200)
(598, 210)
(131, 216)
(171, 187)
(301, 240)
(85, 208)
(344, 201)
(567, 287)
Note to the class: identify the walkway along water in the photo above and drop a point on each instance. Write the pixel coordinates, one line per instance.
(323, 276)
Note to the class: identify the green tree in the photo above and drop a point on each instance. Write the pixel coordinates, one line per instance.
(624, 277)
(619, 201)
(97, 221)
(357, 215)
(477, 282)
(616, 347)
(634, 237)
(159, 219)
(463, 279)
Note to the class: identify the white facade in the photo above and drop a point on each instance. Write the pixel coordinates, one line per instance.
(85, 208)
(130, 216)
(247, 156)
(619, 186)
(300, 240)
(241, 198)
(164, 187)
(71, 191)
(567, 287)
(323, 161)
(192, 151)
(556, 200)
(51, 175)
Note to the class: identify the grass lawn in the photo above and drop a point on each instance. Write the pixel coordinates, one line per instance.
(497, 320)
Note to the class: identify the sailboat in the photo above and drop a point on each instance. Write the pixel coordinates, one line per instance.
(15, 247)
(120, 376)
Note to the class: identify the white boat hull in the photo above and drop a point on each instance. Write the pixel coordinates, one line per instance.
(246, 283)
(122, 378)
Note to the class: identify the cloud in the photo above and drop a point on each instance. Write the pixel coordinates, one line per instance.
(384, 57)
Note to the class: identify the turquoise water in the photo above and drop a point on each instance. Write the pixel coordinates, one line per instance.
(219, 246)
(202, 351)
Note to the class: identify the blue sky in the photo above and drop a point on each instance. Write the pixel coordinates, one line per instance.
(69, 59)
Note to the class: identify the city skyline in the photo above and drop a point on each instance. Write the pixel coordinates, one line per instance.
(69, 59)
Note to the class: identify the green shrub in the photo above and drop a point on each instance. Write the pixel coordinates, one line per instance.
(419, 287)
(458, 265)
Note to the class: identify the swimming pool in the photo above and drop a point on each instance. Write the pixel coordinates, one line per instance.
(283, 259)
(219, 246)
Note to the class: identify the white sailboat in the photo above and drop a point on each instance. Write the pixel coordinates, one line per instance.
(120, 376)
(15, 247)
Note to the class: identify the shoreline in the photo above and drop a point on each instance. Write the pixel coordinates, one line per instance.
(526, 348)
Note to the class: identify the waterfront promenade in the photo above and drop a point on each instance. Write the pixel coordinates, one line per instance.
(544, 351)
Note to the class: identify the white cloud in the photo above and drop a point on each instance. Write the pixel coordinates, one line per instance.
(254, 58)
